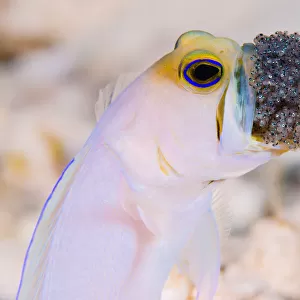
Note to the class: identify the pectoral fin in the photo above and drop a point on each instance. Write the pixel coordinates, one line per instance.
(201, 258)
(110, 92)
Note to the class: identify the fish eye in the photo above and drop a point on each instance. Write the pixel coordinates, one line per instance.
(201, 71)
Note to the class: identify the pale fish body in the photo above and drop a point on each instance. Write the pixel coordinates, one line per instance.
(137, 198)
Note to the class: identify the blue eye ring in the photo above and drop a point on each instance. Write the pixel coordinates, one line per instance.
(210, 81)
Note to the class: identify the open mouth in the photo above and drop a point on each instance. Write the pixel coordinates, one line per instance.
(275, 80)
(264, 113)
(246, 96)
(235, 116)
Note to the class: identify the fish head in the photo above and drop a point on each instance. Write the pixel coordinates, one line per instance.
(209, 107)
(194, 113)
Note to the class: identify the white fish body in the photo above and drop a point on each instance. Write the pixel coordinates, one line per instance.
(137, 199)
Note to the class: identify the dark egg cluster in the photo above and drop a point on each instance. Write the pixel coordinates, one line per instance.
(275, 77)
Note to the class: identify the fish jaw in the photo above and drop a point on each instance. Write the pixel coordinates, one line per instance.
(235, 115)
(239, 113)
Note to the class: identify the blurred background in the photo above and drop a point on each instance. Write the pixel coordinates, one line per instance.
(56, 55)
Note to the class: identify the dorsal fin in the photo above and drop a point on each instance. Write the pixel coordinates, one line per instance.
(109, 93)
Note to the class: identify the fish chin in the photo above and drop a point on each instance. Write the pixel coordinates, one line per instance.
(246, 98)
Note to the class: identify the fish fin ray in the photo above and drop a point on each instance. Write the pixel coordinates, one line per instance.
(201, 258)
(110, 92)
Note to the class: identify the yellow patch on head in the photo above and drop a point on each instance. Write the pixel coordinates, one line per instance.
(200, 62)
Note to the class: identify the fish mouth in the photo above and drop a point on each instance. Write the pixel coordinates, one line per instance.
(236, 108)
(246, 96)
(246, 102)
(275, 78)
(265, 97)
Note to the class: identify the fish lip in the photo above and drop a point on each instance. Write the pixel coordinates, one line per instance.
(235, 111)
(246, 100)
